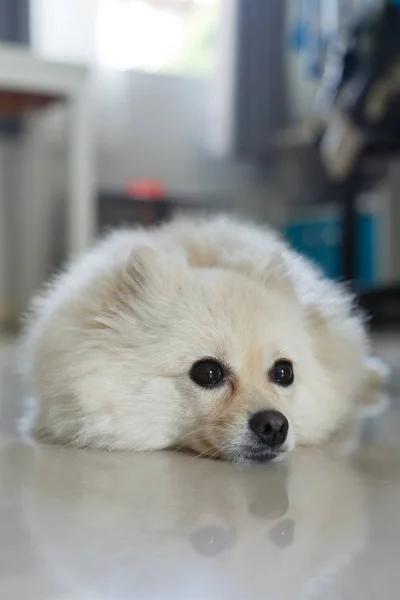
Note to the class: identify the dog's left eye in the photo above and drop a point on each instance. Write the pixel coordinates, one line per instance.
(281, 373)
(207, 373)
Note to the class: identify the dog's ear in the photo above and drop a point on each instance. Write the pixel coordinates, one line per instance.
(277, 272)
(145, 277)
(143, 263)
(148, 267)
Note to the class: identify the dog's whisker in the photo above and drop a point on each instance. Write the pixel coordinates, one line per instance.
(217, 451)
(215, 426)
(204, 428)
(205, 453)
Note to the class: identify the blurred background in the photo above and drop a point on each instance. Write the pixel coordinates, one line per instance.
(125, 112)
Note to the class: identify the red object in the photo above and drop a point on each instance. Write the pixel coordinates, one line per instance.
(146, 189)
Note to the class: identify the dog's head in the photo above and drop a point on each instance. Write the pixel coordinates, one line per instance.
(220, 362)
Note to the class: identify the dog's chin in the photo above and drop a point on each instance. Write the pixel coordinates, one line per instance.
(247, 454)
(257, 456)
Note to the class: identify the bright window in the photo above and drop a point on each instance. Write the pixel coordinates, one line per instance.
(174, 36)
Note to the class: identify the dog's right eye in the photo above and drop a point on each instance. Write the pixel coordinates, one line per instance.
(207, 373)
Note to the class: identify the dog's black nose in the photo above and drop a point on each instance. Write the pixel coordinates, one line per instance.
(270, 426)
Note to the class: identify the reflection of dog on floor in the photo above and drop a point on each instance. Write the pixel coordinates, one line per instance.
(210, 527)
(212, 336)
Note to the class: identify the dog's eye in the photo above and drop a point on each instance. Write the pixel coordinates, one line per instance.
(282, 373)
(207, 373)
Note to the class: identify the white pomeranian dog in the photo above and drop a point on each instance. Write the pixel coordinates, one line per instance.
(211, 335)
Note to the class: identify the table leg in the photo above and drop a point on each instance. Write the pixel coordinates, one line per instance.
(81, 201)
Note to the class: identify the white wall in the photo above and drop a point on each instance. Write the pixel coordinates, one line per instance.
(154, 126)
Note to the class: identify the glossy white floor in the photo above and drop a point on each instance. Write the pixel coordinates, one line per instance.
(79, 525)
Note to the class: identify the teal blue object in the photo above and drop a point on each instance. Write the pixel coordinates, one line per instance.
(319, 240)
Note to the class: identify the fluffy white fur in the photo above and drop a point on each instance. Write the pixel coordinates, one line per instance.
(110, 344)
